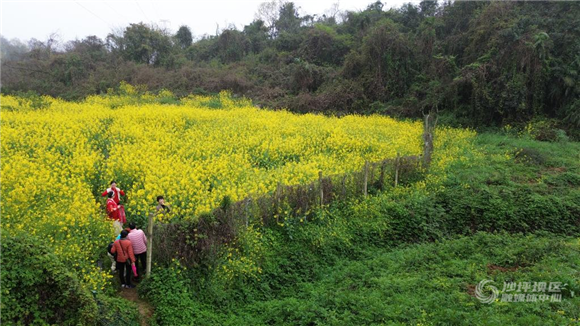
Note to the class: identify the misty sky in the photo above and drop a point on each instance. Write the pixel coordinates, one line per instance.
(72, 19)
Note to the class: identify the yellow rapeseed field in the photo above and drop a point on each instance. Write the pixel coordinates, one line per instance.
(58, 157)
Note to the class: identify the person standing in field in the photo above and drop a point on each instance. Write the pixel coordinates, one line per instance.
(116, 191)
(162, 208)
(139, 242)
(112, 257)
(125, 259)
(113, 212)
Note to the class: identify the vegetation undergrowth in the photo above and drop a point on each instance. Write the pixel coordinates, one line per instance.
(58, 157)
(38, 288)
(507, 212)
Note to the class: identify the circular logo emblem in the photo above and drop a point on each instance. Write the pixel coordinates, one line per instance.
(482, 292)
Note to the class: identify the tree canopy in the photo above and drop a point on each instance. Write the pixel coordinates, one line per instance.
(483, 63)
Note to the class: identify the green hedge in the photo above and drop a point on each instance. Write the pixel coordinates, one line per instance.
(38, 289)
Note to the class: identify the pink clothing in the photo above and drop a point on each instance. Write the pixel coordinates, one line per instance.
(138, 240)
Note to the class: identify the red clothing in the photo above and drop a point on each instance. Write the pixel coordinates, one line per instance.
(112, 209)
(117, 194)
(124, 250)
(121, 214)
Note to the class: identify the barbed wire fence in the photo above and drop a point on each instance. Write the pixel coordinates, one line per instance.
(193, 241)
(196, 241)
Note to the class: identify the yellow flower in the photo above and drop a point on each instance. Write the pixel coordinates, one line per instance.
(57, 161)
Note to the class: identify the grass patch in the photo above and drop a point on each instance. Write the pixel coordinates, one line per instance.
(411, 255)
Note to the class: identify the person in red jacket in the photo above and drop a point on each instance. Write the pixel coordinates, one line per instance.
(113, 212)
(112, 207)
(116, 191)
(125, 259)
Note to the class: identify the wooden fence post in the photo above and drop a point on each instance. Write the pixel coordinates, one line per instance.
(246, 209)
(397, 169)
(382, 176)
(277, 197)
(149, 244)
(321, 188)
(366, 178)
(430, 122)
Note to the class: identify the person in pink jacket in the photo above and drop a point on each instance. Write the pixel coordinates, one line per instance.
(139, 242)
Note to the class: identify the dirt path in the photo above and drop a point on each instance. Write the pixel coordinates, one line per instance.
(145, 309)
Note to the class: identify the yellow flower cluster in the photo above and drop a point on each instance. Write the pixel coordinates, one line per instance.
(451, 145)
(48, 168)
(195, 155)
(56, 160)
(243, 264)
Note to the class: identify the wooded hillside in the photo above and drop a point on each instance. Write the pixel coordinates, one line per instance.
(478, 63)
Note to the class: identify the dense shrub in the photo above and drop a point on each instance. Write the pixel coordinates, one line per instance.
(172, 297)
(114, 311)
(39, 289)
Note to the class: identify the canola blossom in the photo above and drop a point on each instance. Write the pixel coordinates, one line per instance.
(58, 158)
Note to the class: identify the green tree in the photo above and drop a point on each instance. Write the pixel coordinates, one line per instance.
(184, 37)
(288, 20)
(386, 63)
(323, 46)
(142, 44)
(13, 50)
(232, 45)
(257, 34)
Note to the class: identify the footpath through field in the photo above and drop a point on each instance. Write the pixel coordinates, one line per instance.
(145, 309)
